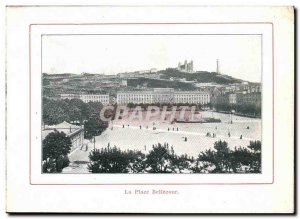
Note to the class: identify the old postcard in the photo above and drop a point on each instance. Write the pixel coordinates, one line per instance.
(185, 105)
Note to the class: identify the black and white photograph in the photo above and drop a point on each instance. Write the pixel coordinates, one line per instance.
(158, 103)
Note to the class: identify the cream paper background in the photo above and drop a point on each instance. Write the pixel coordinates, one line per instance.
(25, 197)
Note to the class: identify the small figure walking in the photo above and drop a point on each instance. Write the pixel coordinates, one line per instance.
(185, 138)
(177, 129)
(229, 134)
(168, 129)
(123, 126)
(140, 127)
(241, 137)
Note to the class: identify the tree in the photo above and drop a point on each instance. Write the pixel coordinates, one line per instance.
(161, 159)
(113, 160)
(57, 111)
(108, 160)
(56, 147)
(255, 164)
(255, 146)
(90, 129)
(94, 127)
(92, 109)
(136, 161)
(183, 163)
(206, 162)
(54, 113)
(224, 160)
(218, 159)
(131, 105)
(240, 157)
(222, 156)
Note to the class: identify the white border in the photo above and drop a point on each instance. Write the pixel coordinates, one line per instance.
(267, 77)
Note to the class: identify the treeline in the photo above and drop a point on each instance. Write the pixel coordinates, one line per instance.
(153, 83)
(162, 159)
(244, 109)
(57, 111)
(77, 112)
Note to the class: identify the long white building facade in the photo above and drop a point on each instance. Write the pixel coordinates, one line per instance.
(102, 98)
(163, 95)
(192, 97)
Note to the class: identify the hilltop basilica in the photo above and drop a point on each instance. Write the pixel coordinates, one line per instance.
(186, 67)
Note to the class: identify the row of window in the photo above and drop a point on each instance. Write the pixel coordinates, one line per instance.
(150, 95)
(101, 101)
(85, 96)
(95, 96)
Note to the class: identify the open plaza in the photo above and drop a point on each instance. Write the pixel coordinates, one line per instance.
(186, 138)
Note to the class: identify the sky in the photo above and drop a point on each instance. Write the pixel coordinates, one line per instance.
(239, 55)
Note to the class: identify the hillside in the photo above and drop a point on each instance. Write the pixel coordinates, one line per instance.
(200, 76)
(170, 78)
(153, 83)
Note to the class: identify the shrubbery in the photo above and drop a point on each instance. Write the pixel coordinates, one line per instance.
(56, 147)
(113, 160)
(57, 111)
(88, 114)
(162, 159)
(94, 127)
(245, 109)
(224, 160)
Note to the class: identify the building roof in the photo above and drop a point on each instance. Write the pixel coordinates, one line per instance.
(65, 124)
(67, 128)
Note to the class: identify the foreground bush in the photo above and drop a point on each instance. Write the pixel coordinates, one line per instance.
(56, 147)
(162, 159)
(224, 160)
(113, 160)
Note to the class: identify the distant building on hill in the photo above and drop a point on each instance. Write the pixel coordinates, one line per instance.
(123, 83)
(187, 67)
